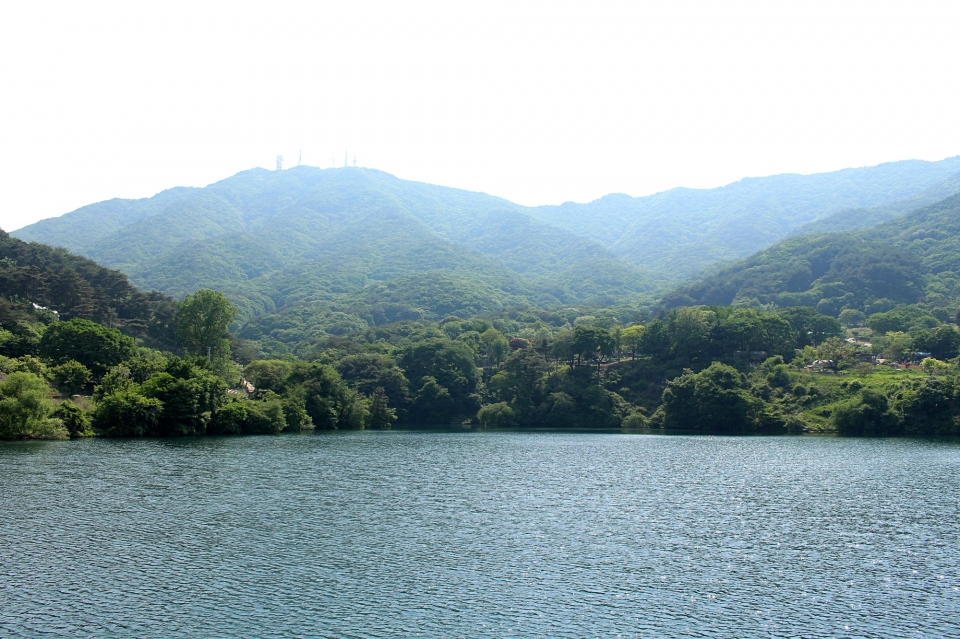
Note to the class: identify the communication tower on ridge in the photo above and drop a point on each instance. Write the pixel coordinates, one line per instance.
(279, 162)
(354, 161)
(299, 157)
(345, 162)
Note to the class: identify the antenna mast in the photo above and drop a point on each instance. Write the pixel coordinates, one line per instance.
(299, 157)
(279, 162)
(345, 163)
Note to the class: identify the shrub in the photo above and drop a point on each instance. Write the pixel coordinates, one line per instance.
(127, 413)
(74, 419)
(71, 375)
(636, 420)
(868, 414)
(24, 408)
(498, 415)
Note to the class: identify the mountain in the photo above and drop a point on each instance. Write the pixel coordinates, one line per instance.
(861, 218)
(309, 252)
(915, 258)
(674, 234)
(337, 241)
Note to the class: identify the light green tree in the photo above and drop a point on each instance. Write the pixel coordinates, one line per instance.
(631, 338)
(25, 409)
(202, 319)
(933, 366)
(71, 375)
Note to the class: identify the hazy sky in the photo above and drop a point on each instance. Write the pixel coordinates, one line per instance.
(538, 102)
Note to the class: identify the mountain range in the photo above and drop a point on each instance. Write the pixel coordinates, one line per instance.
(309, 252)
(913, 258)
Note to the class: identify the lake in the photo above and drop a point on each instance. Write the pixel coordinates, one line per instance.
(438, 534)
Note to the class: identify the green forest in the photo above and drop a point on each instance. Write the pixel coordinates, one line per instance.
(89, 372)
(369, 302)
(306, 254)
(913, 259)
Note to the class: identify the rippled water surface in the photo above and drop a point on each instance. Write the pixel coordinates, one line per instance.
(393, 534)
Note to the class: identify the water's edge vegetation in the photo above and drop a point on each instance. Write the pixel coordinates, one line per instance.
(696, 369)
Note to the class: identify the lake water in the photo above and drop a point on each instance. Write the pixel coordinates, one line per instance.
(388, 534)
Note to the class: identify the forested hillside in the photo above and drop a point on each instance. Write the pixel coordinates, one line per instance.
(322, 244)
(860, 218)
(915, 258)
(70, 371)
(674, 234)
(67, 286)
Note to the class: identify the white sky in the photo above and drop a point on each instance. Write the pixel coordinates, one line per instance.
(538, 102)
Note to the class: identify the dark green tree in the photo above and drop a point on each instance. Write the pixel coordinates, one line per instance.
(73, 418)
(450, 365)
(379, 414)
(713, 400)
(927, 406)
(94, 346)
(943, 342)
(867, 414)
(810, 327)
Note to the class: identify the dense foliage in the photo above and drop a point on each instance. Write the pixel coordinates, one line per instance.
(35, 277)
(913, 259)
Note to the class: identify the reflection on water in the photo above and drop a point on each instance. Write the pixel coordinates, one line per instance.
(438, 534)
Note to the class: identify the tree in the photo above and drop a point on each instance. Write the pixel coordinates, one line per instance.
(379, 414)
(71, 375)
(97, 347)
(589, 341)
(498, 415)
(268, 374)
(927, 406)
(838, 351)
(850, 317)
(710, 400)
(896, 345)
(495, 345)
(366, 372)
(450, 365)
(433, 403)
(943, 342)
(202, 319)
(809, 326)
(631, 339)
(868, 414)
(520, 380)
(903, 319)
(932, 366)
(655, 340)
(25, 408)
(73, 418)
(690, 330)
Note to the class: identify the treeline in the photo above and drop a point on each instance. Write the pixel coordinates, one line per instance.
(710, 369)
